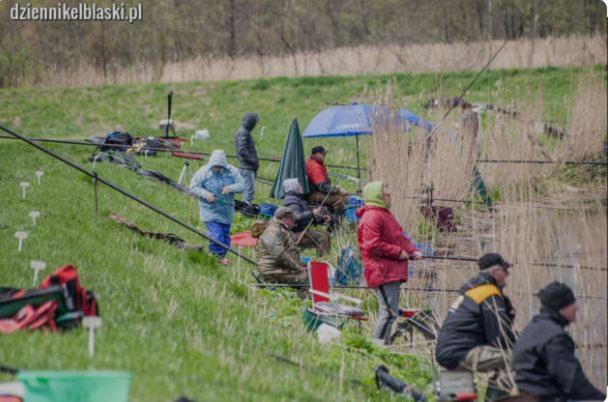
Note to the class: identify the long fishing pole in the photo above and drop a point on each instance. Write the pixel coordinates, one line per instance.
(118, 146)
(403, 289)
(278, 160)
(538, 264)
(466, 89)
(540, 162)
(127, 194)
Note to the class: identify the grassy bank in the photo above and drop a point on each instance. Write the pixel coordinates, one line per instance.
(178, 321)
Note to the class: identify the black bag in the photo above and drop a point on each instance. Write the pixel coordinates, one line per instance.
(251, 210)
(119, 139)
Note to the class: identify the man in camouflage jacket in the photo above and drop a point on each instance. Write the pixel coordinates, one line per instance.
(277, 254)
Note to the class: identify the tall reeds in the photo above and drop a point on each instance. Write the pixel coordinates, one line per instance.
(522, 53)
(538, 217)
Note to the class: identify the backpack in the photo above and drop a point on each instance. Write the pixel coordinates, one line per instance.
(76, 297)
(349, 270)
(59, 303)
(117, 138)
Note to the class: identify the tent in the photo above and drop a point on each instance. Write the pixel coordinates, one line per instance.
(356, 119)
(292, 162)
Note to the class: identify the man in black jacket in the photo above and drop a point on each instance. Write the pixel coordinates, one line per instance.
(543, 357)
(477, 334)
(303, 216)
(247, 154)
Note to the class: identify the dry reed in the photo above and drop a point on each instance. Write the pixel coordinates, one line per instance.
(517, 228)
(522, 53)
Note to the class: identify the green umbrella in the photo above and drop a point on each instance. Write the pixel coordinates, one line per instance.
(292, 162)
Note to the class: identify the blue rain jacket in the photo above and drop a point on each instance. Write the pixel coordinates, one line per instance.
(205, 181)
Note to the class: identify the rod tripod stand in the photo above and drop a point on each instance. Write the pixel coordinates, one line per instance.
(185, 171)
(167, 125)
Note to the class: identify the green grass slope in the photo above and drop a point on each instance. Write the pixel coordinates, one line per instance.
(178, 321)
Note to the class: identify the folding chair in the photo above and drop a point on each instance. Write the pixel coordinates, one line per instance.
(324, 302)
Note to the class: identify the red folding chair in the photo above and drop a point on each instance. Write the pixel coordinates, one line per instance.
(324, 302)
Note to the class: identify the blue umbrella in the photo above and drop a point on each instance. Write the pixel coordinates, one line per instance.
(356, 119)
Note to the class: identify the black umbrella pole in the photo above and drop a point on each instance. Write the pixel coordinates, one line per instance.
(127, 194)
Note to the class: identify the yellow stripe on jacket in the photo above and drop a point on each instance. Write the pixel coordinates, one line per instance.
(480, 293)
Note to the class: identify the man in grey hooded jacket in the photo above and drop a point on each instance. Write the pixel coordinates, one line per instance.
(247, 154)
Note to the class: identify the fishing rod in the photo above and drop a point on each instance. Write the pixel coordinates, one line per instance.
(197, 154)
(403, 289)
(174, 152)
(356, 287)
(118, 146)
(542, 162)
(466, 89)
(127, 194)
(548, 129)
(538, 264)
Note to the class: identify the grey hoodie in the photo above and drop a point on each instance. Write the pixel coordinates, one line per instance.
(244, 145)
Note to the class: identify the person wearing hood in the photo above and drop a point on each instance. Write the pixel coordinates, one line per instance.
(215, 184)
(247, 155)
(543, 357)
(385, 252)
(477, 334)
(304, 216)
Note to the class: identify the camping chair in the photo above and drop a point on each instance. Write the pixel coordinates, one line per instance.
(324, 302)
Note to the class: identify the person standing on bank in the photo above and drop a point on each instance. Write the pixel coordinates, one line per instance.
(543, 357)
(385, 252)
(247, 155)
(215, 184)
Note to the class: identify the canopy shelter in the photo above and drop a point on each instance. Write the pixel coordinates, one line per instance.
(357, 119)
(292, 162)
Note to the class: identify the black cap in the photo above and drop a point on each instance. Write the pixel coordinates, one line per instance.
(492, 259)
(556, 295)
(318, 149)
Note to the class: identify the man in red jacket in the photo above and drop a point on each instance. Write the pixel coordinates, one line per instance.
(385, 252)
(320, 185)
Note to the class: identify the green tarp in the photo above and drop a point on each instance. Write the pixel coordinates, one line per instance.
(292, 162)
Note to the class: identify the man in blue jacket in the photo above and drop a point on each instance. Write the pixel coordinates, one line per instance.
(543, 358)
(215, 184)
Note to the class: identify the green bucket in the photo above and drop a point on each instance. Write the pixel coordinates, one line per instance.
(312, 321)
(75, 386)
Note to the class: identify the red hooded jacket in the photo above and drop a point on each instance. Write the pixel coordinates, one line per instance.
(381, 242)
(316, 171)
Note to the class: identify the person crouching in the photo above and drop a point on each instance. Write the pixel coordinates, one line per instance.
(278, 256)
(304, 216)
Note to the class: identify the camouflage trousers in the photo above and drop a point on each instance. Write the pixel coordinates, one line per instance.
(336, 203)
(298, 280)
(320, 241)
(494, 361)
